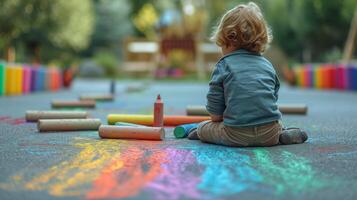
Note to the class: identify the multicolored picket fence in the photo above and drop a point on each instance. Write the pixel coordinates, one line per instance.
(19, 79)
(326, 76)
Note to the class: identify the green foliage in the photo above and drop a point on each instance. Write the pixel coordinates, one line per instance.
(108, 61)
(74, 23)
(316, 26)
(59, 24)
(112, 22)
(136, 7)
(300, 26)
(65, 24)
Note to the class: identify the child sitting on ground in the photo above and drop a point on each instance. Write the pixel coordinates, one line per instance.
(243, 91)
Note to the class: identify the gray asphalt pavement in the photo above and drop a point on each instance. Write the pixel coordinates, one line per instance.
(80, 165)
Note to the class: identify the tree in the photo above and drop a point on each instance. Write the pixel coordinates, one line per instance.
(59, 23)
(309, 30)
(112, 24)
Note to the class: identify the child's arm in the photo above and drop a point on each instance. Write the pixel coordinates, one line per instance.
(216, 118)
(277, 87)
(215, 97)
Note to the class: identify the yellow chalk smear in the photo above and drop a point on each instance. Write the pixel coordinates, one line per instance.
(70, 178)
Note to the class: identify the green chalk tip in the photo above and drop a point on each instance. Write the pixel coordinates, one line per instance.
(179, 132)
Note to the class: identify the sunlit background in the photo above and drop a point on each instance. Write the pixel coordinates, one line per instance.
(164, 39)
(112, 58)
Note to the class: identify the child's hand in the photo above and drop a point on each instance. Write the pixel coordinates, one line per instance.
(216, 118)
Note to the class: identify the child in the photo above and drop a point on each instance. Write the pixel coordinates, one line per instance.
(243, 91)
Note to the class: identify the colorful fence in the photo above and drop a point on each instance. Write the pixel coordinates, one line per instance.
(326, 76)
(19, 79)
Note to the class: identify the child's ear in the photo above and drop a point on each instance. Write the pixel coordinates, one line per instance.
(232, 36)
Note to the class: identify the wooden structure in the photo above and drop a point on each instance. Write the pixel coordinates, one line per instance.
(143, 56)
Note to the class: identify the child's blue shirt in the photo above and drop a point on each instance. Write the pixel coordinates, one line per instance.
(244, 90)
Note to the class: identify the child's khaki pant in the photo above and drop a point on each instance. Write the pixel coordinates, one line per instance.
(218, 133)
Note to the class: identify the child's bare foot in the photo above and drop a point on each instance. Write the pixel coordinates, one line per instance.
(293, 136)
(193, 134)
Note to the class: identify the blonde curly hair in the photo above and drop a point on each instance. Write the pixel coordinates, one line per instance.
(243, 27)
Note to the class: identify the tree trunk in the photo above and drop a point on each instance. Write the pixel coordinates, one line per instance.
(35, 50)
(37, 54)
(351, 40)
(10, 54)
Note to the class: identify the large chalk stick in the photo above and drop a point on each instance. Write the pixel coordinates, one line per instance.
(8, 77)
(34, 115)
(48, 77)
(18, 75)
(129, 132)
(68, 124)
(284, 108)
(73, 104)
(26, 79)
(319, 77)
(33, 79)
(39, 79)
(300, 109)
(97, 97)
(10, 80)
(182, 131)
(148, 120)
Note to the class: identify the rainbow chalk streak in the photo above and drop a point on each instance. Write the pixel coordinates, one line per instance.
(130, 170)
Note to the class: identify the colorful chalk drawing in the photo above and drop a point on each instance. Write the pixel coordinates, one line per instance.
(12, 121)
(105, 169)
(227, 171)
(179, 177)
(293, 174)
(68, 178)
(127, 174)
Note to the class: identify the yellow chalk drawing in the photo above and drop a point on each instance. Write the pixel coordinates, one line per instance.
(72, 177)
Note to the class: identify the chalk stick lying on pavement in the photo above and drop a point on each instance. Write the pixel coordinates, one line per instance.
(68, 124)
(35, 115)
(148, 120)
(73, 104)
(130, 132)
(293, 109)
(97, 97)
(182, 131)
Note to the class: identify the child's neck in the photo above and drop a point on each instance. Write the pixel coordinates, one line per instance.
(228, 49)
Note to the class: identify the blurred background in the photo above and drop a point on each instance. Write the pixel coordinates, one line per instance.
(168, 39)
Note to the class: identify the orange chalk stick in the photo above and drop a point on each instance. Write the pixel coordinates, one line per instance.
(130, 132)
(148, 120)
